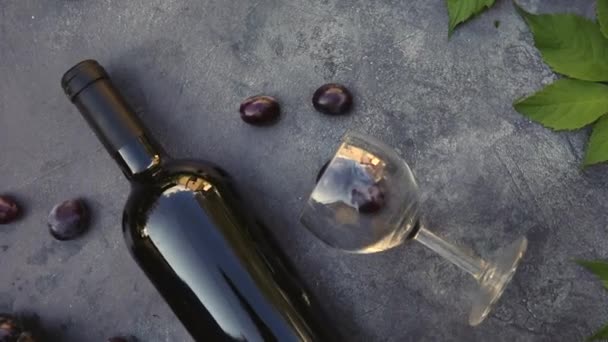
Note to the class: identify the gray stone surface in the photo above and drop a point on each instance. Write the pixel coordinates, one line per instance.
(490, 174)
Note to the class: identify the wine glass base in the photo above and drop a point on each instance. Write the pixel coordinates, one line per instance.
(495, 279)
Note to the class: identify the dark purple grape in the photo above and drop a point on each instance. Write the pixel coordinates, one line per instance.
(9, 328)
(332, 99)
(68, 219)
(122, 339)
(26, 337)
(259, 110)
(370, 199)
(9, 210)
(117, 339)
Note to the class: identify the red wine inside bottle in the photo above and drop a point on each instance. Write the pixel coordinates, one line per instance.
(217, 267)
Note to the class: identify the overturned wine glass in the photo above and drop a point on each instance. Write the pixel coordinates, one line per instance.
(366, 200)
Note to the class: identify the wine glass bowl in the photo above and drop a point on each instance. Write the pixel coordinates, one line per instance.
(366, 200)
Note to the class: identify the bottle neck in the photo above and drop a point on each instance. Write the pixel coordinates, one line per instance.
(139, 157)
(112, 119)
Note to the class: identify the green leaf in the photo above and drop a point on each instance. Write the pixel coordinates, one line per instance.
(602, 16)
(566, 104)
(461, 10)
(597, 148)
(600, 269)
(597, 267)
(601, 334)
(570, 44)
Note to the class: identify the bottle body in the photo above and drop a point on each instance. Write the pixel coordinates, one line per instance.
(210, 262)
(217, 267)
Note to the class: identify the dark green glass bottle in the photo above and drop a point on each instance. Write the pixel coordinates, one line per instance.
(216, 266)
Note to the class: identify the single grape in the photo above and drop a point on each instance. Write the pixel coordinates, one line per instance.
(117, 339)
(123, 339)
(26, 337)
(10, 329)
(370, 199)
(260, 110)
(9, 210)
(68, 220)
(332, 99)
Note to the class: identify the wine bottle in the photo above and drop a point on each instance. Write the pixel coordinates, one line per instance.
(215, 265)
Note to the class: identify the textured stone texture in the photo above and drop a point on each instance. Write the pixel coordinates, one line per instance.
(490, 174)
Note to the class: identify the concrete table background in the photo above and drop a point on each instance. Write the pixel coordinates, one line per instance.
(491, 175)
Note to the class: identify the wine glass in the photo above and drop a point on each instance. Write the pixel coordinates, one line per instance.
(366, 200)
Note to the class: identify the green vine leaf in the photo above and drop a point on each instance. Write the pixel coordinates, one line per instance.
(602, 16)
(600, 269)
(570, 44)
(461, 10)
(601, 334)
(597, 267)
(597, 148)
(566, 104)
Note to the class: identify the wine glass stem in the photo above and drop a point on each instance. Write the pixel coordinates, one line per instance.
(473, 265)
